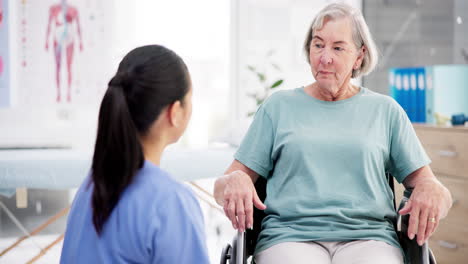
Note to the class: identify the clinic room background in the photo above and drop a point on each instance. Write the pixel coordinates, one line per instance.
(54, 72)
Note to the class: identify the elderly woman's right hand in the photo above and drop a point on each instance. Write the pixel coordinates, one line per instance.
(239, 197)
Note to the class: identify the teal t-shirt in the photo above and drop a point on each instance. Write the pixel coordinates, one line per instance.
(325, 163)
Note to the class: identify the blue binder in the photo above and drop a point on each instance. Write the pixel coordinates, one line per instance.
(423, 91)
(421, 95)
(408, 87)
(405, 96)
(413, 99)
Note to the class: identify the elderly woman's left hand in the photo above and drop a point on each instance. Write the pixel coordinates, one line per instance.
(429, 202)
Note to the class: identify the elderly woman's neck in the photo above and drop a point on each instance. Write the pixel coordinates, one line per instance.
(333, 93)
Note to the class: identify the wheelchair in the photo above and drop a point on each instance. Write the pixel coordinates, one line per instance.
(243, 244)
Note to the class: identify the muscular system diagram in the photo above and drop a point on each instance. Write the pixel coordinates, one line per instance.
(64, 27)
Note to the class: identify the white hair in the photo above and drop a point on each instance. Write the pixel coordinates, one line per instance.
(361, 34)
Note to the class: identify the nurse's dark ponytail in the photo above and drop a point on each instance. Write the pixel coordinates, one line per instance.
(148, 79)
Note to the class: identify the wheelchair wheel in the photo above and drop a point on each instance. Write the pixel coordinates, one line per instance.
(226, 254)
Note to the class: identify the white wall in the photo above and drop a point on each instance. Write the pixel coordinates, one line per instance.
(197, 31)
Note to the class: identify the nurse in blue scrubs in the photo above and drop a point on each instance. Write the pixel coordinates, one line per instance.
(129, 210)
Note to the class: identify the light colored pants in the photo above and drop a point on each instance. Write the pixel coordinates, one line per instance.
(352, 252)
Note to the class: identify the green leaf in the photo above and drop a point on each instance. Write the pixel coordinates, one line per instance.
(259, 101)
(251, 68)
(276, 84)
(251, 114)
(261, 76)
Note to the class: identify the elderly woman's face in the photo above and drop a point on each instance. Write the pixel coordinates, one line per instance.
(333, 54)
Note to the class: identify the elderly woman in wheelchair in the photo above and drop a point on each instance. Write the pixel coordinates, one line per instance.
(324, 150)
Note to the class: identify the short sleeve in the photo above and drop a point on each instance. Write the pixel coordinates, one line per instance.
(406, 151)
(255, 151)
(180, 237)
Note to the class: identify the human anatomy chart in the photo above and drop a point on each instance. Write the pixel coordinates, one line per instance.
(64, 26)
(64, 50)
(5, 98)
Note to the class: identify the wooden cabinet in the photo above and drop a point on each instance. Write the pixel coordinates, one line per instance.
(448, 150)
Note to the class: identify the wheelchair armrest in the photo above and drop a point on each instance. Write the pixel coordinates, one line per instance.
(414, 253)
(243, 244)
(406, 196)
(235, 253)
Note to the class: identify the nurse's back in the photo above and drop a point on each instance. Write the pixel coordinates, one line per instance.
(156, 220)
(128, 210)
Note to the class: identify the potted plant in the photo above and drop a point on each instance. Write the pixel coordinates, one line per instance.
(267, 84)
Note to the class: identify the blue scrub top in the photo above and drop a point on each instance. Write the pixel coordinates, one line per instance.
(157, 220)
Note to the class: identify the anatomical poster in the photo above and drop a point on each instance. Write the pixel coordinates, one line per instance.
(5, 89)
(64, 50)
